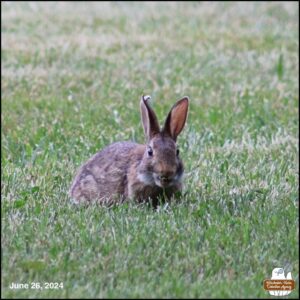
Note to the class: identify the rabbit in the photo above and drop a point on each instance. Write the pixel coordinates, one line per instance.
(127, 170)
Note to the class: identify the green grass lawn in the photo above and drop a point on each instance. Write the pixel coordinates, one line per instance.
(72, 78)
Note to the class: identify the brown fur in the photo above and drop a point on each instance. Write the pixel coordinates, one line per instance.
(125, 170)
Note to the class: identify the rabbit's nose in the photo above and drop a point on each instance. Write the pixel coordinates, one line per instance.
(166, 177)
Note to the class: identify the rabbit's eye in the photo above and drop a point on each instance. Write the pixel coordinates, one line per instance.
(150, 151)
(177, 152)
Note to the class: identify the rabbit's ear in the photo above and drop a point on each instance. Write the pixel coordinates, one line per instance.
(176, 118)
(149, 119)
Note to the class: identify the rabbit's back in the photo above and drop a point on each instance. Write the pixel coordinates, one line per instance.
(103, 177)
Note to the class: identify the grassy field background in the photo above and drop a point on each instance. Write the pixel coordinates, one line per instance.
(72, 77)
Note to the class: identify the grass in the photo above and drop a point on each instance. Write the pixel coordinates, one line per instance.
(72, 77)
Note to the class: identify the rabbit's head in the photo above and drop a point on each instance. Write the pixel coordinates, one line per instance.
(161, 164)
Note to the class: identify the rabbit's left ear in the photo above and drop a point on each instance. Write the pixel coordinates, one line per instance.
(149, 119)
(176, 118)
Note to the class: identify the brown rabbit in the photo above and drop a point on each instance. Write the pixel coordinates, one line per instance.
(125, 170)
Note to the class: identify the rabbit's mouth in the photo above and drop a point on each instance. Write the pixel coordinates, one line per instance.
(163, 181)
(158, 180)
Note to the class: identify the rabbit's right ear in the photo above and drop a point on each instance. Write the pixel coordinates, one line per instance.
(176, 118)
(149, 119)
